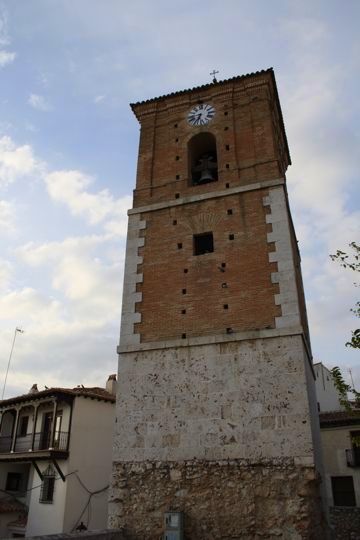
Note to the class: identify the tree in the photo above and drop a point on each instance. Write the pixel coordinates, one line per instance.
(352, 262)
(344, 389)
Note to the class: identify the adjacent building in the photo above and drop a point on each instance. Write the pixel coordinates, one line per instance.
(340, 436)
(55, 459)
(217, 412)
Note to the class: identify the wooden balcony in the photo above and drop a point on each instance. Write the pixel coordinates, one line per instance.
(35, 446)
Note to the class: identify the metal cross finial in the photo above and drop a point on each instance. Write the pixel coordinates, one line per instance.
(213, 73)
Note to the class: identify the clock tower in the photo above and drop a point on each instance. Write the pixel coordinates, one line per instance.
(216, 408)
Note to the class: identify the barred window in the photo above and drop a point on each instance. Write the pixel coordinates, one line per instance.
(48, 486)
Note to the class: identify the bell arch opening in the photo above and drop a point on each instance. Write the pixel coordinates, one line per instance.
(202, 159)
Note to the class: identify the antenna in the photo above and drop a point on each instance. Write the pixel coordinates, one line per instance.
(351, 377)
(20, 331)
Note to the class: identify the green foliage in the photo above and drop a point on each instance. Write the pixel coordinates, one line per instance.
(352, 262)
(355, 440)
(344, 389)
(341, 387)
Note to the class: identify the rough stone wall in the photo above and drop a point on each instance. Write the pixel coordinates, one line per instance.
(228, 500)
(345, 523)
(215, 401)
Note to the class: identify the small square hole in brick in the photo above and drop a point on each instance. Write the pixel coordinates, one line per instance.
(231, 237)
(229, 212)
(175, 125)
(227, 166)
(183, 311)
(226, 113)
(177, 158)
(176, 140)
(174, 221)
(177, 195)
(183, 336)
(179, 245)
(227, 185)
(184, 291)
(223, 265)
(185, 270)
(226, 128)
(177, 177)
(229, 330)
(227, 147)
(226, 306)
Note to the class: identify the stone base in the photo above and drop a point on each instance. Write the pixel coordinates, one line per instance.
(345, 522)
(226, 500)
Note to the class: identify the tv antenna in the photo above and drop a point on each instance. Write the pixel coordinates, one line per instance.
(16, 332)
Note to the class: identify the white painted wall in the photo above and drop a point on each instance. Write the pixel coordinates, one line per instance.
(335, 441)
(327, 395)
(46, 518)
(91, 456)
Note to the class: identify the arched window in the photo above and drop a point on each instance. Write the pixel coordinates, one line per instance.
(203, 167)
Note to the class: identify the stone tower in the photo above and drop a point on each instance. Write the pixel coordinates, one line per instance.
(216, 412)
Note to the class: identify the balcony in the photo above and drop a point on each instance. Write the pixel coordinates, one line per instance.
(37, 445)
(353, 457)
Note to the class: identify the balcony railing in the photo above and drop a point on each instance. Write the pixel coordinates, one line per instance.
(42, 441)
(353, 457)
(5, 444)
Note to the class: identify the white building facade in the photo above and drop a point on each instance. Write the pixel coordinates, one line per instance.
(55, 459)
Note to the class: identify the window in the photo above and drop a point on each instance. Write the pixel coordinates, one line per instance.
(202, 155)
(355, 443)
(13, 481)
(343, 490)
(47, 486)
(24, 420)
(203, 243)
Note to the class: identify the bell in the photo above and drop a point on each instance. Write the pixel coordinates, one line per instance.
(206, 176)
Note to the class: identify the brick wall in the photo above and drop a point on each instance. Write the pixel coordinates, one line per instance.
(170, 269)
(250, 143)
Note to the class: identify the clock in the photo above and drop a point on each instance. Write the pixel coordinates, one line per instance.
(201, 115)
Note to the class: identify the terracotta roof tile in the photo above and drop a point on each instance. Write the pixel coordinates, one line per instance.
(201, 87)
(339, 418)
(92, 392)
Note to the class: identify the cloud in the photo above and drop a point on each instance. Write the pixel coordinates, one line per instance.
(99, 99)
(5, 274)
(39, 102)
(323, 143)
(6, 58)
(7, 217)
(15, 161)
(70, 188)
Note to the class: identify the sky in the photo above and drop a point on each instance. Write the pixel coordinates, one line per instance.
(68, 150)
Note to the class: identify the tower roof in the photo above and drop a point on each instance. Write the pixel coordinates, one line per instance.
(138, 106)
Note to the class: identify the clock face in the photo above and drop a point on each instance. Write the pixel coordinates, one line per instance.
(201, 115)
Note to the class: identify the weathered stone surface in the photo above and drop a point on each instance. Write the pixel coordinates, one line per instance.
(224, 500)
(215, 401)
(345, 523)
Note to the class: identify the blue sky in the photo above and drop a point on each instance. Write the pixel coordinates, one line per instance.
(68, 147)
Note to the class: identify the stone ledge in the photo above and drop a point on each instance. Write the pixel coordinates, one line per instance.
(206, 196)
(104, 534)
(207, 340)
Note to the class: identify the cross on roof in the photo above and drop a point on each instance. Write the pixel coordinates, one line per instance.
(213, 73)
